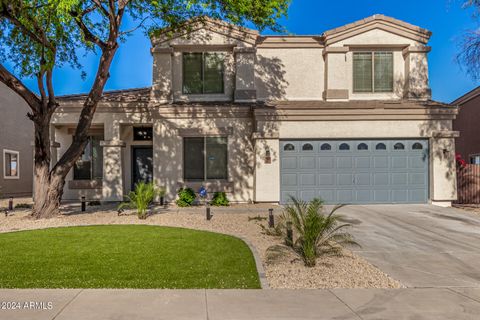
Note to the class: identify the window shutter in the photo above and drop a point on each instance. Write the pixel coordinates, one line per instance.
(383, 72)
(192, 73)
(362, 72)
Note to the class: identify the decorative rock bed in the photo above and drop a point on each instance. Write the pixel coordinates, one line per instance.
(347, 271)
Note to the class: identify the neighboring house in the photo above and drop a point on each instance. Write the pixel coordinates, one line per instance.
(345, 116)
(16, 151)
(467, 123)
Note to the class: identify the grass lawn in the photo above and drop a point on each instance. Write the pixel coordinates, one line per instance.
(124, 256)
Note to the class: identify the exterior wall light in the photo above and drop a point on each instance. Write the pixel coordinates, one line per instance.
(268, 158)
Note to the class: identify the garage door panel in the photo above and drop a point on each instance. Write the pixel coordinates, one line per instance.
(355, 171)
(381, 178)
(399, 162)
(345, 196)
(307, 163)
(289, 179)
(381, 196)
(326, 179)
(289, 163)
(399, 179)
(345, 179)
(417, 178)
(362, 162)
(327, 195)
(380, 162)
(363, 179)
(307, 180)
(344, 162)
(326, 162)
(399, 195)
(363, 196)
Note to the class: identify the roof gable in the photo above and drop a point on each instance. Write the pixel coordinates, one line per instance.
(468, 96)
(219, 27)
(381, 22)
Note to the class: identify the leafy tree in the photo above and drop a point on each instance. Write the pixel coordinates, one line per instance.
(38, 36)
(469, 55)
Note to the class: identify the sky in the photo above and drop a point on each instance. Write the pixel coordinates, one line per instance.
(132, 67)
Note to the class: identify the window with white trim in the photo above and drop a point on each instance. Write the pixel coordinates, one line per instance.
(372, 72)
(11, 164)
(205, 158)
(203, 73)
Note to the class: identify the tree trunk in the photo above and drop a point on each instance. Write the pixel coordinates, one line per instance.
(47, 189)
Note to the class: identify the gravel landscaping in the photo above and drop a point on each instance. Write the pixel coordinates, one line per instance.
(347, 271)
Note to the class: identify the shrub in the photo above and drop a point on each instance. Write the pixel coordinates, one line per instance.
(186, 196)
(220, 200)
(140, 199)
(316, 233)
(23, 206)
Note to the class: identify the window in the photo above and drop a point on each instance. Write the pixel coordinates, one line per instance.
(326, 147)
(475, 159)
(205, 158)
(381, 146)
(142, 133)
(373, 71)
(362, 146)
(289, 147)
(344, 146)
(399, 146)
(11, 164)
(417, 146)
(90, 165)
(307, 147)
(203, 73)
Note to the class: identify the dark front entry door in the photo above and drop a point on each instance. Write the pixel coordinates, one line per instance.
(142, 165)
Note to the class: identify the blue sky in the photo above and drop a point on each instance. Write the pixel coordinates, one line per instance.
(132, 66)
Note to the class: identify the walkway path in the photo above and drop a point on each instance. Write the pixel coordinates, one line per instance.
(425, 303)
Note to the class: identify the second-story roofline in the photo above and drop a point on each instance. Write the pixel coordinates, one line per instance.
(328, 37)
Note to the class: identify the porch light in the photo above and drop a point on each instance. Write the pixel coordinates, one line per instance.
(268, 158)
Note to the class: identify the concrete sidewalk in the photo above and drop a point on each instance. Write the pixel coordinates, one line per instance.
(410, 303)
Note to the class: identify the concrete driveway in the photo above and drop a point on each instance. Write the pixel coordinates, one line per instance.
(419, 245)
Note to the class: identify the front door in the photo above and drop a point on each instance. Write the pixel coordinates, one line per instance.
(142, 165)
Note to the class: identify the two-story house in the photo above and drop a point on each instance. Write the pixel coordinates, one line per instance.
(345, 116)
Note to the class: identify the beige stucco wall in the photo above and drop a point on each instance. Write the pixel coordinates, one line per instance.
(168, 150)
(289, 74)
(16, 134)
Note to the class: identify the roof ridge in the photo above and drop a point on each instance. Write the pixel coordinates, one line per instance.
(475, 92)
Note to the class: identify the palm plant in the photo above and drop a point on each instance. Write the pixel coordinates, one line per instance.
(140, 199)
(316, 233)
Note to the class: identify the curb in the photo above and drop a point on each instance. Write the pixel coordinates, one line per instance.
(258, 262)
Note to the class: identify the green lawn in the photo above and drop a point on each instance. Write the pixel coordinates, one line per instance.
(124, 256)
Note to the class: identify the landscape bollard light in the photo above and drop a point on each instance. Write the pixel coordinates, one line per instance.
(271, 219)
(83, 204)
(289, 239)
(209, 215)
(10, 203)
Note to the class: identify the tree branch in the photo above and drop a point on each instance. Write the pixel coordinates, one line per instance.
(16, 85)
(86, 31)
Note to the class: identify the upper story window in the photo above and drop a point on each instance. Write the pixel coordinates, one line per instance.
(203, 73)
(11, 168)
(373, 71)
(90, 165)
